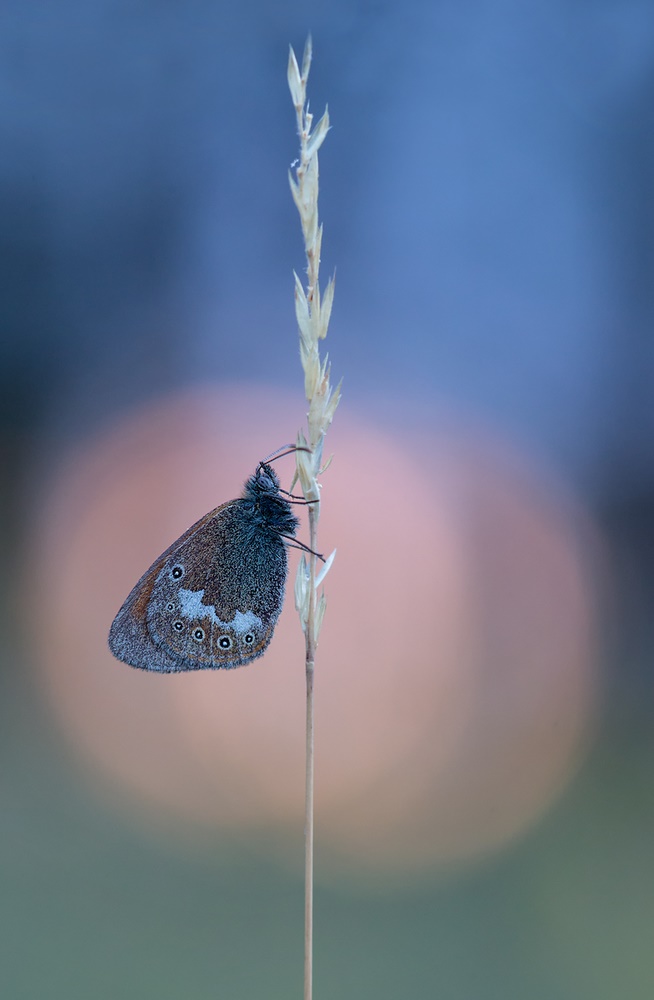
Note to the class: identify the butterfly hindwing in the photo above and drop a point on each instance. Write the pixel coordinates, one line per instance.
(211, 600)
(218, 595)
(129, 638)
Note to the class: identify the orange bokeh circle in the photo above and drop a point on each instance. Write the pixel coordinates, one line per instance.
(455, 670)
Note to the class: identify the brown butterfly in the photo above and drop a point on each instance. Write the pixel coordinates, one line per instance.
(213, 598)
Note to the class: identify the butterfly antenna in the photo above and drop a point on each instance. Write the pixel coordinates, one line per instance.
(286, 449)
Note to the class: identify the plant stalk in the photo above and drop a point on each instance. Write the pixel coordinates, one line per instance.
(308, 843)
(308, 802)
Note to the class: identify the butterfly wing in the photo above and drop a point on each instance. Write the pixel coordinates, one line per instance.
(129, 639)
(211, 600)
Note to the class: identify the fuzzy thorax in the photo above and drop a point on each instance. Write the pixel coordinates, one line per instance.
(272, 511)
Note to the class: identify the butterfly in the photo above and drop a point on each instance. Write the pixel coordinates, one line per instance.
(212, 599)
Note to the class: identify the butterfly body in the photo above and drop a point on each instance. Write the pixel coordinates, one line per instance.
(213, 598)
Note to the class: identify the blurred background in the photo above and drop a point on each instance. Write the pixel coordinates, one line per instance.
(485, 813)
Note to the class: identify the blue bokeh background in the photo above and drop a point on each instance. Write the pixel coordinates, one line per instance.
(488, 197)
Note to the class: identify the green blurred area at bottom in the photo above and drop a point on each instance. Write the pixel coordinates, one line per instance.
(91, 907)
